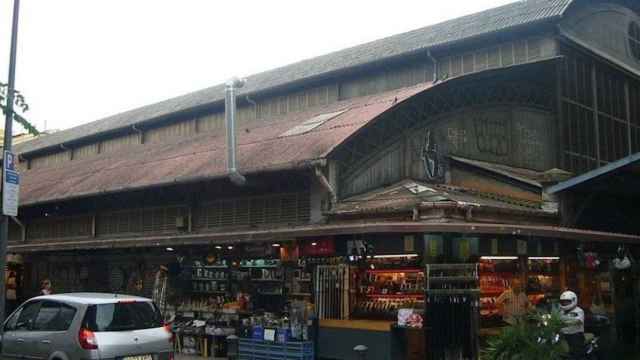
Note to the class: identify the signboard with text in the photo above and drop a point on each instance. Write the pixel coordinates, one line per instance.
(10, 185)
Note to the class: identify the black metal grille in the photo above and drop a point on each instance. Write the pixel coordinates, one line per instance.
(291, 208)
(58, 228)
(145, 220)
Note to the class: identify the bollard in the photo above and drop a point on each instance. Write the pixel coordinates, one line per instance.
(233, 351)
(361, 352)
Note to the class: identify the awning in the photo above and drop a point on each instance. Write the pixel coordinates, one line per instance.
(619, 177)
(281, 234)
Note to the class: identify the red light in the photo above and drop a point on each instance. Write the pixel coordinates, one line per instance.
(87, 339)
(167, 328)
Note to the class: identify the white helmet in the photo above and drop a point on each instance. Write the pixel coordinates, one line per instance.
(568, 300)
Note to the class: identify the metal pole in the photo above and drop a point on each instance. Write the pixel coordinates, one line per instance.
(8, 133)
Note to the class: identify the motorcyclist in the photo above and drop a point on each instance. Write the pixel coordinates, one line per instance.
(573, 316)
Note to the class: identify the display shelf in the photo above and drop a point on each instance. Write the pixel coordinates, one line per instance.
(207, 279)
(268, 280)
(301, 294)
(395, 296)
(490, 273)
(219, 267)
(260, 267)
(198, 311)
(270, 293)
(303, 280)
(436, 279)
(209, 292)
(378, 271)
(490, 293)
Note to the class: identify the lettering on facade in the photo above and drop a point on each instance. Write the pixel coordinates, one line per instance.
(457, 139)
(531, 148)
(492, 136)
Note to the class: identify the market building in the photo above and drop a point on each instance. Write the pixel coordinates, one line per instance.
(434, 146)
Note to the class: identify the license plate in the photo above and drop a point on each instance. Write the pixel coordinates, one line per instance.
(138, 357)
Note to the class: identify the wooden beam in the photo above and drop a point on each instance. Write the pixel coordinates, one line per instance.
(560, 163)
(594, 86)
(627, 102)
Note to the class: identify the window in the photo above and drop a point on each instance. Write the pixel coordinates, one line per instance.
(46, 315)
(23, 318)
(123, 316)
(54, 317)
(67, 313)
(311, 124)
(11, 323)
(634, 39)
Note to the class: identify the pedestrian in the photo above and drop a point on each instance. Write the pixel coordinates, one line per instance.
(573, 318)
(11, 296)
(45, 288)
(513, 303)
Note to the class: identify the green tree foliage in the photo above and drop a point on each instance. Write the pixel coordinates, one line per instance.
(530, 338)
(20, 103)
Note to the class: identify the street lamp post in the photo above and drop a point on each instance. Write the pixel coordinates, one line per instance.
(8, 134)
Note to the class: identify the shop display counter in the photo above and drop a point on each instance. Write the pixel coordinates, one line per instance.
(336, 338)
(407, 343)
(370, 325)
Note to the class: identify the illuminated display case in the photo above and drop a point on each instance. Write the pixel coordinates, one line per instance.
(496, 276)
(543, 278)
(382, 292)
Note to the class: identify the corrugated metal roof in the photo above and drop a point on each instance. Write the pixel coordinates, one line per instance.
(409, 194)
(260, 148)
(490, 21)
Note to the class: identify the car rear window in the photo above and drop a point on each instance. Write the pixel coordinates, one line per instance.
(123, 316)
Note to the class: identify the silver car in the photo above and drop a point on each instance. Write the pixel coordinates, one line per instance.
(86, 326)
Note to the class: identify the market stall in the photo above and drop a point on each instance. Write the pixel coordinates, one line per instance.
(370, 290)
(258, 293)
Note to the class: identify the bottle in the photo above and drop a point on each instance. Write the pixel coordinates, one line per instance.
(305, 332)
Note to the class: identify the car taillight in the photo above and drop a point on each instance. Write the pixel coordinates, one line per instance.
(167, 328)
(87, 339)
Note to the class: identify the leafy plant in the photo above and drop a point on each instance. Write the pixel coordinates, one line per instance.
(20, 103)
(532, 337)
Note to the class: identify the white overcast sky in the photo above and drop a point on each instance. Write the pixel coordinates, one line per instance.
(81, 60)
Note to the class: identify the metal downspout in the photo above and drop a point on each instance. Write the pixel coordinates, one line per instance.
(325, 183)
(435, 66)
(230, 121)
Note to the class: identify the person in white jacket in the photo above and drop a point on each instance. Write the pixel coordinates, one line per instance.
(573, 317)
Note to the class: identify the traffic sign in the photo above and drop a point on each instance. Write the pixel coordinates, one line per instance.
(10, 185)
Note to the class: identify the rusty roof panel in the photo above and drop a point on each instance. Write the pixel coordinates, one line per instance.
(260, 148)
